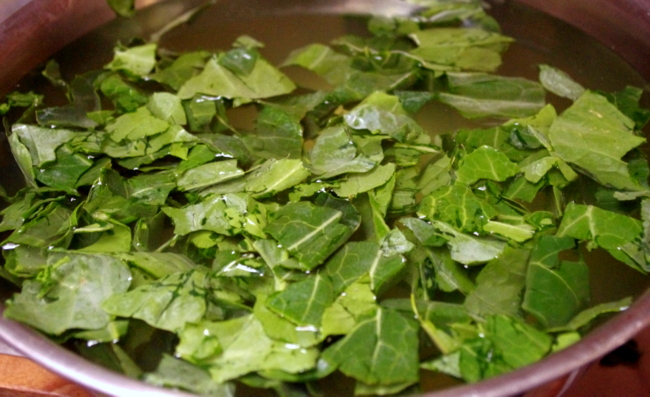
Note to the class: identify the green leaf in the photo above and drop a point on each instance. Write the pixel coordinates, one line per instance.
(413, 101)
(606, 229)
(500, 285)
(601, 228)
(83, 98)
(227, 214)
(517, 343)
(460, 48)
(586, 316)
(109, 197)
(312, 232)
(277, 135)
(124, 8)
(559, 82)
(157, 264)
(14, 215)
(112, 332)
(279, 328)
(536, 170)
(240, 61)
(547, 250)
(381, 113)
(404, 194)
(457, 206)
(382, 350)
(125, 96)
(449, 275)
(66, 171)
(335, 153)
(42, 143)
(176, 373)
(263, 81)
(554, 296)
(23, 159)
(64, 116)
(596, 144)
(522, 189)
(482, 95)
(380, 199)
(356, 259)
(435, 175)
(138, 60)
(627, 101)
(383, 271)
(519, 233)
(24, 99)
(355, 304)
(504, 344)
(324, 61)
(395, 243)
(362, 182)
(427, 234)
(350, 263)
(516, 138)
(115, 239)
(275, 176)
(168, 303)
(197, 342)
(246, 348)
(168, 107)
(51, 227)
(182, 69)
(305, 301)
(209, 174)
(152, 188)
(485, 163)
(443, 314)
(467, 249)
(68, 294)
(362, 389)
(176, 137)
(137, 125)
(645, 218)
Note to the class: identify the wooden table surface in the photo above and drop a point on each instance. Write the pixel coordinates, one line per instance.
(21, 377)
(625, 373)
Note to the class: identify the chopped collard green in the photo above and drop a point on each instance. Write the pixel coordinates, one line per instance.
(335, 236)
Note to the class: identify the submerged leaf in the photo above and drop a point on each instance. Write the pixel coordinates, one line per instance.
(305, 301)
(335, 153)
(379, 351)
(559, 83)
(70, 293)
(312, 232)
(246, 348)
(138, 60)
(486, 163)
(483, 95)
(173, 372)
(227, 214)
(596, 144)
(262, 82)
(500, 285)
(460, 48)
(168, 303)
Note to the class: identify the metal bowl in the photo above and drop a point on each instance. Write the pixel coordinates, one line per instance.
(33, 30)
